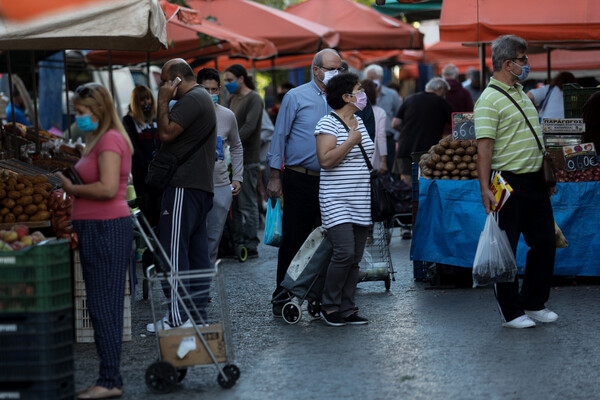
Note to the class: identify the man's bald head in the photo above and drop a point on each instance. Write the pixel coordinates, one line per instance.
(177, 67)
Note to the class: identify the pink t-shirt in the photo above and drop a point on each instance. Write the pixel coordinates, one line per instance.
(88, 169)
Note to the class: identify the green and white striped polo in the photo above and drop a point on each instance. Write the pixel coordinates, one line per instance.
(496, 117)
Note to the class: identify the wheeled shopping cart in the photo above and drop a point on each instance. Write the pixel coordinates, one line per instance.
(207, 340)
(376, 264)
(305, 278)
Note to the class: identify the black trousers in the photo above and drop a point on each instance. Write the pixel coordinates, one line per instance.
(528, 211)
(301, 214)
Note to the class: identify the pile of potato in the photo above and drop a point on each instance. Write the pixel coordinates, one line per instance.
(450, 159)
(23, 198)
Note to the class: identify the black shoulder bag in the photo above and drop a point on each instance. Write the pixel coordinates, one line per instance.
(548, 174)
(382, 202)
(164, 165)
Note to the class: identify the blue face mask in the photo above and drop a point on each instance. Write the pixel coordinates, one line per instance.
(85, 124)
(524, 71)
(232, 87)
(215, 98)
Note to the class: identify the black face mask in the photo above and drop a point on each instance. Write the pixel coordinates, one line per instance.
(146, 108)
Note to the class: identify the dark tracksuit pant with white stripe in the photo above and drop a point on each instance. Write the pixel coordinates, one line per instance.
(182, 233)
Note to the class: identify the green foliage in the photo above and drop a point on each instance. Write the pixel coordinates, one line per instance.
(181, 3)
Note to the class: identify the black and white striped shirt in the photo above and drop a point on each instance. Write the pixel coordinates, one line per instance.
(345, 190)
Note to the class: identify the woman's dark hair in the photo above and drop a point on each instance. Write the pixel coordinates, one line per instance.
(338, 86)
(370, 90)
(238, 70)
(562, 78)
(208, 74)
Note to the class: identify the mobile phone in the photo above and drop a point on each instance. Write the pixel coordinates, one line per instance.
(177, 81)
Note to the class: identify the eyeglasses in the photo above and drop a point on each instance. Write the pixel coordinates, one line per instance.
(341, 69)
(355, 93)
(523, 59)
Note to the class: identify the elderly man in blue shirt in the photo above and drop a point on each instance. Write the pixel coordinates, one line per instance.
(294, 142)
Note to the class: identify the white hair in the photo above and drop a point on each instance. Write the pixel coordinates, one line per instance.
(436, 84)
(375, 68)
(450, 71)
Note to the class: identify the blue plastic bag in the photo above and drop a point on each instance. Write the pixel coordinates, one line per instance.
(273, 229)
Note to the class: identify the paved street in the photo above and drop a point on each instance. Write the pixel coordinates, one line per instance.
(419, 344)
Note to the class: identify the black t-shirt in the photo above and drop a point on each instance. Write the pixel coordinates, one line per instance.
(423, 118)
(195, 112)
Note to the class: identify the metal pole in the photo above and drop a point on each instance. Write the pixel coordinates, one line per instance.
(38, 145)
(67, 92)
(549, 64)
(148, 68)
(12, 104)
(482, 76)
(110, 74)
(274, 79)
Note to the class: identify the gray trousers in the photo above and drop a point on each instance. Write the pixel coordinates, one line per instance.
(348, 242)
(245, 210)
(215, 220)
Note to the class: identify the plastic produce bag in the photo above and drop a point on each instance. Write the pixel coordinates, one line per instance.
(494, 260)
(273, 229)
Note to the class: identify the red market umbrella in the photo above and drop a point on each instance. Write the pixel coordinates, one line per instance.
(360, 27)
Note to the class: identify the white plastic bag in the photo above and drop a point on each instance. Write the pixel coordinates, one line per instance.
(494, 259)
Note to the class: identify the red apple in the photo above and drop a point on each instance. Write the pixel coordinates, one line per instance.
(22, 230)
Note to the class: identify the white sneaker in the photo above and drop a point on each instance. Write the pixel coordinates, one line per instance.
(152, 327)
(544, 315)
(520, 322)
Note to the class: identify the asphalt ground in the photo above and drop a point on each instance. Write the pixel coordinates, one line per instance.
(422, 342)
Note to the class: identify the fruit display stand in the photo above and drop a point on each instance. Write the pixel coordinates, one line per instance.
(451, 217)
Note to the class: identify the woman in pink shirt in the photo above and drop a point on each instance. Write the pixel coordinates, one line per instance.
(101, 219)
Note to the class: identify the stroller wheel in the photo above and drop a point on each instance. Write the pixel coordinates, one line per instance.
(161, 377)
(145, 289)
(232, 373)
(291, 313)
(241, 253)
(314, 308)
(181, 373)
(387, 282)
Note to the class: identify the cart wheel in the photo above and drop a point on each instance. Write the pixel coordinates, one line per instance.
(314, 308)
(145, 288)
(291, 313)
(161, 377)
(387, 282)
(181, 373)
(232, 373)
(242, 253)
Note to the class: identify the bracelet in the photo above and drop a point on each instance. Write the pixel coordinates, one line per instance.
(75, 191)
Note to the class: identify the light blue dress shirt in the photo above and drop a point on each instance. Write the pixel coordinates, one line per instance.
(293, 138)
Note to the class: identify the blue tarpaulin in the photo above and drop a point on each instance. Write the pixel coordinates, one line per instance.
(451, 217)
(51, 92)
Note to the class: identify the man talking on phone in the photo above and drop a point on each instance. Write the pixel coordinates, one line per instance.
(190, 126)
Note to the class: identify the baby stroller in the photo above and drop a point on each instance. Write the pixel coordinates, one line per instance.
(305, 278)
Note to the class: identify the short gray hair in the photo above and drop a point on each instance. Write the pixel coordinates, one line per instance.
(318, 58)
(506, 48)
(436, 84)
(375, 68)
(450, 71)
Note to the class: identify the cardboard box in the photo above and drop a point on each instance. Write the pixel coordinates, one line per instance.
(171, 340)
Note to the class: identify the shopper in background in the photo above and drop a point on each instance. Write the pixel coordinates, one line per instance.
(344, 195)
(294, 141)
(390, 101)
(227, 135)
(101, 220)
(247, 105)
(142, 129)
(549, 98)
(379, 159)
(591, 119)
(506, 143)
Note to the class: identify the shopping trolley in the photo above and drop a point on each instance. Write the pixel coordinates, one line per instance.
(207, 341)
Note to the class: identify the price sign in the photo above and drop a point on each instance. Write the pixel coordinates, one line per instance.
(581, 156)
(563, 125)
(463, 126)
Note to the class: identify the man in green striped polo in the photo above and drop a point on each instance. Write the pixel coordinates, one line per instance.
(507, 144)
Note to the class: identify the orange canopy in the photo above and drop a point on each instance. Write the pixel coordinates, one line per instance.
(360, 27)
(190, 36)
(289, 33)
(472, 21)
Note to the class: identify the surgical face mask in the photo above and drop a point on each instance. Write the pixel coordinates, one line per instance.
(215, 98)
(361, 100)
(85, 124)
(377, 83)
(232, 87)
(329, 75)
(146, 108)
(524, 71)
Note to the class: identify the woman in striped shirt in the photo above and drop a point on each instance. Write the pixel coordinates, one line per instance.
(344, 195)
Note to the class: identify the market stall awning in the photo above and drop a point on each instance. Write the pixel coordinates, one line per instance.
(290, 34)
(125, 25)
(360, 27)
(549, 21)
(191, 36)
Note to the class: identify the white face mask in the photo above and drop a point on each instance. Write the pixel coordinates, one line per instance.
(377, 83)
(329, 75)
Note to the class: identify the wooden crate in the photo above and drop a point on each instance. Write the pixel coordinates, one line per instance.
(84, 331)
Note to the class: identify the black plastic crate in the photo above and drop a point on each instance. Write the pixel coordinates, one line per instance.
(34, 331)
(54, 389)
(44, 355)
(420, 270)
(574, 97)
(34, 371)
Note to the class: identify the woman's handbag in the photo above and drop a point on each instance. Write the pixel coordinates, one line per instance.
(382, 201)
(164, 165)
(548, 170)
